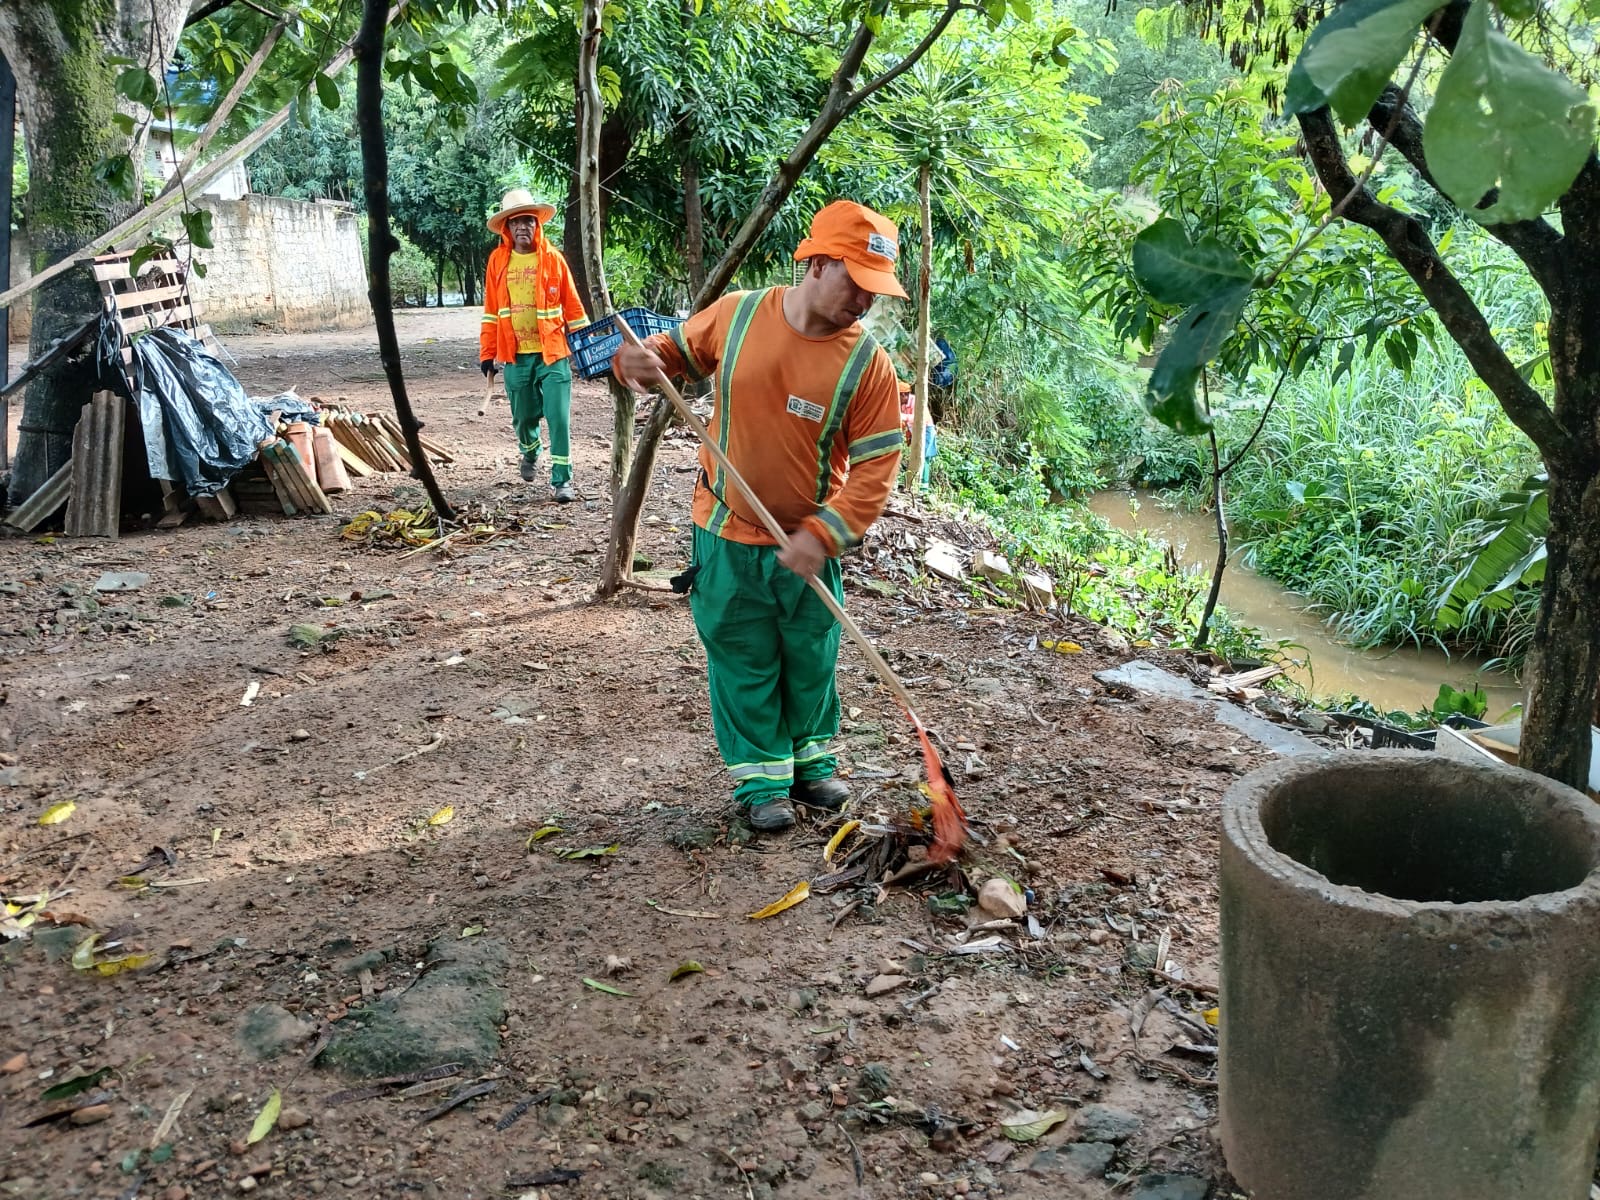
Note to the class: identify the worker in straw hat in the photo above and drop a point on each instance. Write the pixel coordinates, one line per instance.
(806, 408)
(529, 304)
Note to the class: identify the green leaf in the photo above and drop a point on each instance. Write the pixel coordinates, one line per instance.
(1352, 55)
(604, 987)
(75, 1085)
(116, 172)
(327, 92)
(1503, 123)
(266, 1118)
(197, 225)
(138, 85)
(1170, 395)
(686, 968)
(124, 123)
(1511, 552)
(589, 851)
(145, 253)
(1177, 271)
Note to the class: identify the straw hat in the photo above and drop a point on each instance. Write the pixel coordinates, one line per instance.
(520, 200)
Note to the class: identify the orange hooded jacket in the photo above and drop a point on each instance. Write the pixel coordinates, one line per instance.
(560, 307)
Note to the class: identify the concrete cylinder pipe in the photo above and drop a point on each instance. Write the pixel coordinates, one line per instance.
(1410, 981)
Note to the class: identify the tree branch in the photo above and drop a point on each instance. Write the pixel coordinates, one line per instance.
(1535, 242)
(951, 8)
(1580, 207)
(212, 7)
(1411, 247)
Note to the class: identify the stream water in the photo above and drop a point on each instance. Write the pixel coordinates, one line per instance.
(1403, 677)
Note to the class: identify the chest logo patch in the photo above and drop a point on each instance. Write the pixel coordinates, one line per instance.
(806, 409)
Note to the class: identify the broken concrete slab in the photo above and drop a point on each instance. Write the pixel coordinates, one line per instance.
(944, 560)
(1039, 588)
(991, 566)
(1151, 679)
(121, 581)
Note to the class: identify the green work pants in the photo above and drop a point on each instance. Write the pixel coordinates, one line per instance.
(771, 649)
(534, 389)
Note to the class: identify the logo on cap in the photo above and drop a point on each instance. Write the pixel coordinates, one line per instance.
(878, 244)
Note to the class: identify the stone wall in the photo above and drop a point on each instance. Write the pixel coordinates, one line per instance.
(287, 265)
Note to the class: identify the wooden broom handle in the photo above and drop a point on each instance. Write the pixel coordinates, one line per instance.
(884, 671)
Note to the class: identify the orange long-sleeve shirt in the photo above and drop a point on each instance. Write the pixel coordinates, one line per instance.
(812, 424)
(557, 306)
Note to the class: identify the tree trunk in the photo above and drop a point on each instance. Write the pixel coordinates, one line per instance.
(591, 117)
(8, 129)
(62, 53)
(1202, 633)
(1564, 657)
(919, 419)
(619, 551)
(694, 227)
(381, 241)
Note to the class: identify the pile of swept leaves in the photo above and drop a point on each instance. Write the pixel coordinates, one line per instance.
(420, 528)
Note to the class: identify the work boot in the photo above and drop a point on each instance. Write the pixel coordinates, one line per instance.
(528, 468)
(828, 794)
(565, 493)
(771, 816)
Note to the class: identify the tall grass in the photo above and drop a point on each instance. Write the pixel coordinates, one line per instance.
(1366, 494)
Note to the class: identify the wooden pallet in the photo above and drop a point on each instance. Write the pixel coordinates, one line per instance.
(156, 297)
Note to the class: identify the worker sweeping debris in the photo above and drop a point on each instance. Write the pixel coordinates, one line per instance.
(801, 458)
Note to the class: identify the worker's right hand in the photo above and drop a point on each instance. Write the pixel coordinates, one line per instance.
(637, 367)
(486, 365)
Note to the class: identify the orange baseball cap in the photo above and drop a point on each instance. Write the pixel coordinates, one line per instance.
(868, 243)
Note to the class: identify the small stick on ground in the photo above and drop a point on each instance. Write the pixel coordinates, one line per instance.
(438, 740)
(521, 1107)
(1192, 985)
(843, 913)
(749, 1192)
(471, 1092)
(855, 1154)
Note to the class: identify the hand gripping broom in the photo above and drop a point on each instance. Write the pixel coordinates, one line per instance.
(949, 818)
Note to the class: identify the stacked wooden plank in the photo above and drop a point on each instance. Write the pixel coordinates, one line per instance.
(296, 487)
(372, 442)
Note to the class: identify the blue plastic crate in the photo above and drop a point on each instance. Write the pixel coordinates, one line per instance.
(594, 345)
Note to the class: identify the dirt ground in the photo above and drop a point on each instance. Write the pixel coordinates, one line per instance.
(291, 881)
